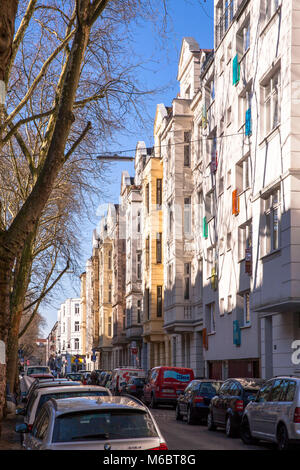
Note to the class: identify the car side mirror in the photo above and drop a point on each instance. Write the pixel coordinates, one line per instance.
(21, 411)
(22, 428)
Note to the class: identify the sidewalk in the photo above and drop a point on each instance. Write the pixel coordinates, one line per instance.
(9, 439)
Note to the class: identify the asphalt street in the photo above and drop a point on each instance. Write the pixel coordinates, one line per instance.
(182, 436)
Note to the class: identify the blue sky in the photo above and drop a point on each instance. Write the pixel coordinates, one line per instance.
(186, 18)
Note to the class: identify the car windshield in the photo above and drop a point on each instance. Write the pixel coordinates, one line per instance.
(139, 381)
(112, 424)
(38, 370)
(59, 395)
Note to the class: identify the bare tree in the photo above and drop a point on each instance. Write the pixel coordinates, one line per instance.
(67, 78)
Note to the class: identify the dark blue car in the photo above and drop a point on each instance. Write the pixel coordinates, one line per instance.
(194, 401)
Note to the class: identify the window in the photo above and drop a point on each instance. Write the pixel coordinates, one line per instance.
(221, 307)
(268, 8)
(229, 304)
(209, 205)
(170, 276)
(272, 227)
(128, 320)
(243, 175)
(247, 313)
(171, 218)
(147, 252)
(109, 326)
(147, 303)
(76, 343)
(243, 38)
(244, 105)
(109, 259)
(109, 293)
(228, 241)
(270, 108)
(187, 216)
(77, 309)
(76, 326)
(147, 198)
(159, 301)
(159, 192)
(187, 148)
(187, 273)
(138, 266)
(138, 311)
(228, 179)
(264, 393)
(159, 247)
(221, 185)
(245, 239)
(210, 318)
(139, 222)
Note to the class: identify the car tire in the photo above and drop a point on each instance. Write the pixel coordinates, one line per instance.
(210, 422)
(230, 431)
(190, 418)
(179, 416)
(246, 433)
(282, 438)
(153, 403)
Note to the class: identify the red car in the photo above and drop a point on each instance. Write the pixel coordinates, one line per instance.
(164, 384)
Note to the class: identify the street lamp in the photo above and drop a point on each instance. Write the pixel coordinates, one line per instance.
(116, 157)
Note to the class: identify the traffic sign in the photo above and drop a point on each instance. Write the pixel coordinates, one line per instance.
(93, 358)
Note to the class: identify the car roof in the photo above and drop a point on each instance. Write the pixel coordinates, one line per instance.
(248, 382)
(207, 380)
(70, 405)
(66, 383)
(73, 388)
(285, 377)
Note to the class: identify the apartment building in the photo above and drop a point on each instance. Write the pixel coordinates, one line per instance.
(131, 201)
(105, 296)
(149, 174)
(69, 318)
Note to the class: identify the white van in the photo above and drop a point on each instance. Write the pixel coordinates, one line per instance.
(123, 374)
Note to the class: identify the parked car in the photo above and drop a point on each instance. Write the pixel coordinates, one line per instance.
(135, 387)
(274, 415)
(74, 376)
(93, 423)
(227, 407)
(164, 384)
(195, 400)
(37, 384)
(37, 370)
(123, 374)
(40, 396)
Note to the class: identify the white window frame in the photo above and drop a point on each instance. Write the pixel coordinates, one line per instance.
(270, 103)
(272, 205)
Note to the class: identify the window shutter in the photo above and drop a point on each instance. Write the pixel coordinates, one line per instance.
(235, 70)
(236, 333)
(204, 115)
(205, 228)
(248, 125)
(248, 261)
(235, 203)
(214, 279)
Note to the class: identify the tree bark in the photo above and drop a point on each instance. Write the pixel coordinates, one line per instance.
(7, 29)
(20, 286)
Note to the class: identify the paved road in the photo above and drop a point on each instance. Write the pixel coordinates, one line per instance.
(182, 436)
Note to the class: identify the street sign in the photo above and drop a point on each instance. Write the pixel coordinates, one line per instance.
(93, 358)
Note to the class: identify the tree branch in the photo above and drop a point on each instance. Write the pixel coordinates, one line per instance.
(79, 140)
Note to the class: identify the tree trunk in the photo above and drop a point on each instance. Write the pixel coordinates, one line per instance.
(7, 29)
(20, 286)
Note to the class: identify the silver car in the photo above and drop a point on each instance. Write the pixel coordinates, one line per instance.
(94, 423)
(274, 415)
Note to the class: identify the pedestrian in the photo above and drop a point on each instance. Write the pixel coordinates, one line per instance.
(93, 379)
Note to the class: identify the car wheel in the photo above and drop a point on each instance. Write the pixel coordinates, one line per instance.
(178, 415)
(190, 418)
(210, 422)
(153, 403)
(282, 438)
(246, 433)
(230, 432)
